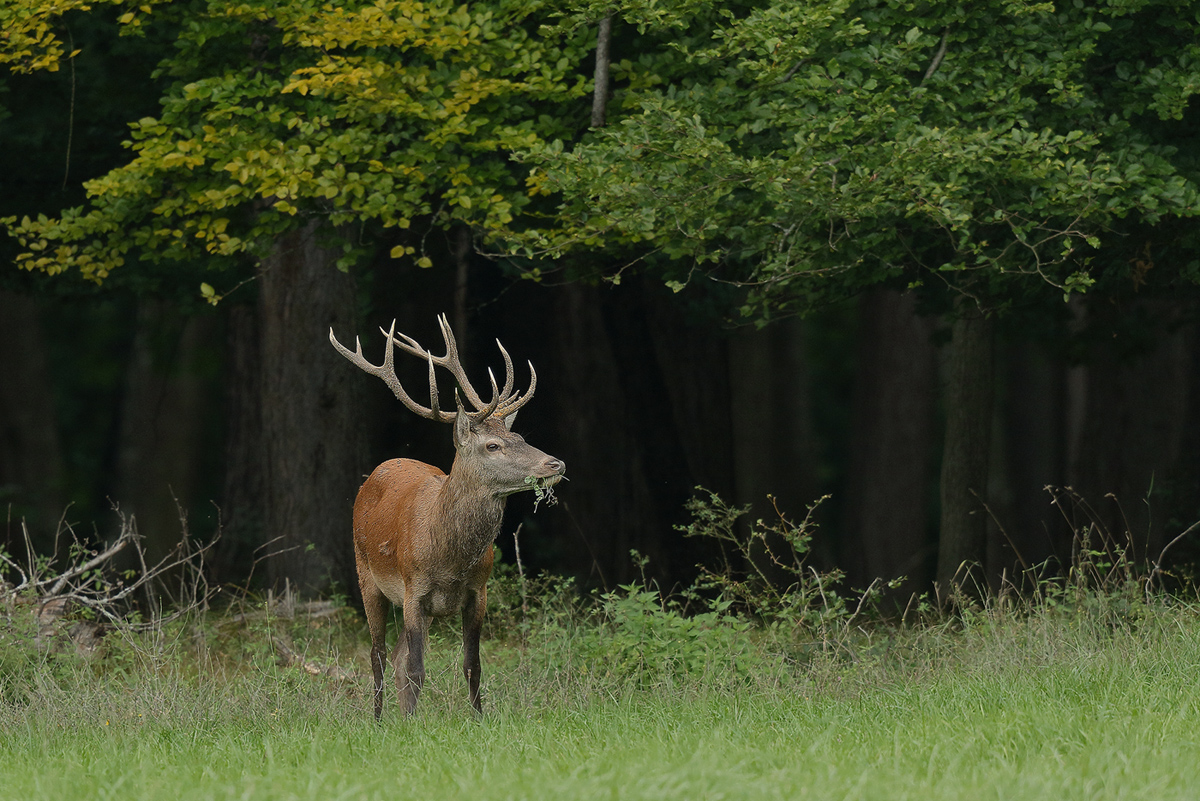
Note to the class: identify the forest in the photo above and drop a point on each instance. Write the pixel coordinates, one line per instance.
(921, 274)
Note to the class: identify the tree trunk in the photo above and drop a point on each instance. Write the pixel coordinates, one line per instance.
(635, 399)
(1134, 411)
(242, 501)
(895, 391)
(962, 546)
(771, 415)
(31, 465)
(611, 507)
(162, 416)
(1032, 448)
(649, 422)
(1185, 507)
(461, 249)
(312, 435)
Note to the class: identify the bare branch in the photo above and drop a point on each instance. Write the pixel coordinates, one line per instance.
(937, 57)
(88, 580)
(101, 558)
(1157, 570)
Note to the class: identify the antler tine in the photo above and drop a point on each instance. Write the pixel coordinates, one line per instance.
(448, 338)
(452, 363)
(387, 372)
(509, 407)
(433, 393)
(508, 374)
(408, 344)
(412, 347)
(486, 412)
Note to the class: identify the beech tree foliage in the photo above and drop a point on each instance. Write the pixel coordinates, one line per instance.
(29, 37)
(280, 112)
(810, 149)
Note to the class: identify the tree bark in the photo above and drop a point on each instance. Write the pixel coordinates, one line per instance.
(654, 436)
(885, 529)
(600, 90)
(31, 463)
(461, 249)
(962, 545)
(771, 417)
(612, 506)
(1134, 403)
(242, 502)
(312, 435)
(635, 399)
(162, 416)
(1032, 448)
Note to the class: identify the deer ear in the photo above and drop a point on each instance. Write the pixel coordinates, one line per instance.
(462, 423)
(508, 421)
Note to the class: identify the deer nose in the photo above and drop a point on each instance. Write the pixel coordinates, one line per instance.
(558, 466)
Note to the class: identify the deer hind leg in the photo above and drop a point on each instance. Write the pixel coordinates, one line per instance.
(376, 606)
(472, 615)
(410, 655)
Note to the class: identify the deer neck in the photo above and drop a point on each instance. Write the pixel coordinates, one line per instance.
(467, 514)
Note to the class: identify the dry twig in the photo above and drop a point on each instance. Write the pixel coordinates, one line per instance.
(89, 578)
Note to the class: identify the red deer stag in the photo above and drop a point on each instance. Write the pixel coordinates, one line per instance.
(423, 539)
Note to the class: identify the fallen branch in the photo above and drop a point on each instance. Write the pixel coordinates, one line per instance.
(89, 578)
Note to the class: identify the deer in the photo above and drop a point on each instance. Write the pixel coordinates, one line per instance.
(423, 538)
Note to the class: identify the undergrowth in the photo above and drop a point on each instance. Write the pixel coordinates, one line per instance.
(759, 620)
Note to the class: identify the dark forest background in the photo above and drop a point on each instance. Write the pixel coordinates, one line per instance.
(156, 407)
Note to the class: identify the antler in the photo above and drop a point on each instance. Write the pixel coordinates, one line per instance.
(503, 403)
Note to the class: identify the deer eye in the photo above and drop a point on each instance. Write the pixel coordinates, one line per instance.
(493, 446)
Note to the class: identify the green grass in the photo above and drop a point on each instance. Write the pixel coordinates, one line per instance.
(1051, 704)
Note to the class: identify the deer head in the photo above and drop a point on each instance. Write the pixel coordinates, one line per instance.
(486, 447)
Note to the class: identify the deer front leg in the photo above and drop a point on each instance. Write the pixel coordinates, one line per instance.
(473, 612)
(410, 655)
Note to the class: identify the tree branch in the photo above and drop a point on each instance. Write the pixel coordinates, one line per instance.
(937, 57)
(600, 93)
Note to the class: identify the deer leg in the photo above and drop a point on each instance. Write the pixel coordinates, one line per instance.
(416, 628)
(399, 661)
(375, 605)
(472, 617)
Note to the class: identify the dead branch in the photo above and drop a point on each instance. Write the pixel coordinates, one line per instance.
(1156, 569)
(87, 578)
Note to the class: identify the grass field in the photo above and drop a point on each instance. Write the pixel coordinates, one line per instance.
(1068, 702)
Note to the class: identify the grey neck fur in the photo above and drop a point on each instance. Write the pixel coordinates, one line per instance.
(467, 515)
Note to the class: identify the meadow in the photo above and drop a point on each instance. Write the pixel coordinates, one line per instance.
(1089, 694)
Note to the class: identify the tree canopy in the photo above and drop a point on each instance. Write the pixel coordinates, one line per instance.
(811, 149)
(279, 113)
